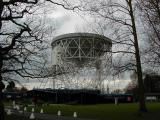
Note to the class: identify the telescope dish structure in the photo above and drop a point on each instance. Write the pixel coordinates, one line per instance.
(80, 60)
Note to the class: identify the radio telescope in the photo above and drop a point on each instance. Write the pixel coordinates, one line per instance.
(80, 61)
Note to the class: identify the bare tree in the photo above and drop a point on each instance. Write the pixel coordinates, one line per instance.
(19, 42)
(150, 15)
(122, 15)
(22, 39)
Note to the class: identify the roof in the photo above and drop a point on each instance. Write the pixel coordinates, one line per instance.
(70, 35)
(65, 91)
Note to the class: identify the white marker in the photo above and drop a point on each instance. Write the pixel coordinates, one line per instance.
(14, 103)
(75, 114)
(59, 113)
(9, 112)
(41, 111)
(32, 116)
(25, 108)
(32, 109)
(18, 108)
(116, 100)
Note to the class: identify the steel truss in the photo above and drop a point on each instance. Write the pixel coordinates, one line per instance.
(85, 61)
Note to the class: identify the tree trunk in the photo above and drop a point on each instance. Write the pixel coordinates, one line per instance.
(2, 86)
(141, 90)
(2, 112)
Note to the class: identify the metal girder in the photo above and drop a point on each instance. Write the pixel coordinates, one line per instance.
(79, 55)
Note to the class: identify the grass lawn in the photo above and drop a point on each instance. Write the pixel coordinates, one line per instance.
(105, 111)
(102, 111)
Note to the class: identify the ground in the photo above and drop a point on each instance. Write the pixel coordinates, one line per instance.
(104, 111)
(14, 117)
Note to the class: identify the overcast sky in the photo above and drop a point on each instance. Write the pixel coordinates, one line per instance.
(67, 21)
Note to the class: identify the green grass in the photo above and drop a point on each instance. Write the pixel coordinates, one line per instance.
(7, 103)
(105, 111)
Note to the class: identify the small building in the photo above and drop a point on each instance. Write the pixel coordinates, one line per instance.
(152, 87)
(77, 96)
(66, 96)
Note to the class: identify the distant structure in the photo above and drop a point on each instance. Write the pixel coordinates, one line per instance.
(81, 61)
(152, 83)
(70, 96)
(152, 87)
